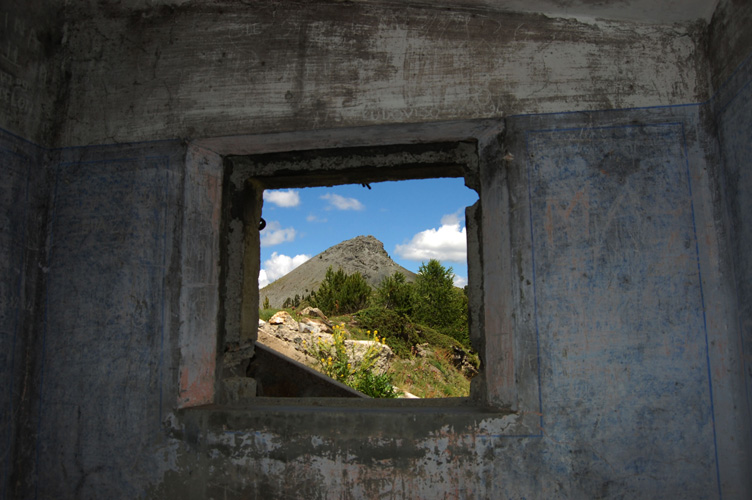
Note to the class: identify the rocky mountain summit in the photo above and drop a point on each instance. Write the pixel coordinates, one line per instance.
(362, 254)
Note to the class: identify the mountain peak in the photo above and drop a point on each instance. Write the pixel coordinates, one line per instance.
(363, 254)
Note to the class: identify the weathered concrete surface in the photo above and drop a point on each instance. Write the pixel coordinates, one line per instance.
(619, 311)
(620, 279)
(300, 66)
(607, 289)
(735, 121)
(729, 40)
(641, 11)
(105, 369)
(32, 69)
(277, 375)
(732, 115)
(23, 212)
(199, 302)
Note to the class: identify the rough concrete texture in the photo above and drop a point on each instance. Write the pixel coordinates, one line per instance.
(199, 303)
(611, 265)
(300, 65)
(23, 213)
(618, 292)
(32, 71)
(728, 40)
(105, 366)
(734, 121)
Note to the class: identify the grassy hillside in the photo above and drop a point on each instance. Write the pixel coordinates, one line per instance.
(425, 362)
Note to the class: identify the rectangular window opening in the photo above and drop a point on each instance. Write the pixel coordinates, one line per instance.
(268, 198)
(366, 284)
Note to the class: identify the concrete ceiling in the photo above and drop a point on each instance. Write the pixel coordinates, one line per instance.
(642, 11)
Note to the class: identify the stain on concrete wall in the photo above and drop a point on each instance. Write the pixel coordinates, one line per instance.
(609, 236)
(735, 127)
(624, 351)
(619, 305)
(618, 309)
(19, 190)
(278, 67)
(728, 40)
(31, 69)
(106, 357)
(199, 305)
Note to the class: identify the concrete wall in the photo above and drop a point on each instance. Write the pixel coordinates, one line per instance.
(299, 66)
(732, 117)
(625, 232)
(30, 64)
(104, 365)
(617, 288)
(32, 69)
(631, 308)
(23, 213)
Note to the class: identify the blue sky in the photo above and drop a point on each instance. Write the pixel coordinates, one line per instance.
(416, 220)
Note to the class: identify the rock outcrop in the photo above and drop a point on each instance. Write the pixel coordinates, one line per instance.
(362, 254)
(295, 338)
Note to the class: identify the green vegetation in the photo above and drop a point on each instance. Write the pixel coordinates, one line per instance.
(395, 293)
(401, 332)
(341, 293)
(430, 377)
(376, 385)
(335, 362)
(424, 323)
(438, 303)
(266, 313)
(294, 302)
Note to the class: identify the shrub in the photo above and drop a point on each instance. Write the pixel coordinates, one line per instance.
(400, 333)
(335, 362)
(341, 293)
(376, 386)
(439, 304)
(332, 357)
(395, 293)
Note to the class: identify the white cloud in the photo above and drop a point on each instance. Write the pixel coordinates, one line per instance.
(450, 219)
(263, 278)
(274, 234)
(289, 198)
(447, 243)
(342, 203)
(314, 218)
(278, 265)
(460, 281)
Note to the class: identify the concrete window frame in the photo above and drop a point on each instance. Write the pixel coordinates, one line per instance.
(216, 171)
